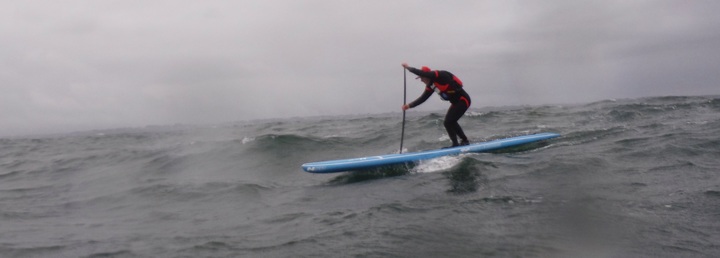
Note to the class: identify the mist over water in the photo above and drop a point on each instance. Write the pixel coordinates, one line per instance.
(628, 178)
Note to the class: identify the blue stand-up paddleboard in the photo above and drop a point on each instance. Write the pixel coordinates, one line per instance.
(341, 165)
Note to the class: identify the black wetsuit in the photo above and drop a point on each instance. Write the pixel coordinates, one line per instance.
(449, 87)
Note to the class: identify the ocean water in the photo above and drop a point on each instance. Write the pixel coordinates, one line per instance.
(628, 178)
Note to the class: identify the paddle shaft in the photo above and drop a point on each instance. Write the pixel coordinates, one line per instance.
(402, 135)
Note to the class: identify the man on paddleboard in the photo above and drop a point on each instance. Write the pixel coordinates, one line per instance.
(449, 88)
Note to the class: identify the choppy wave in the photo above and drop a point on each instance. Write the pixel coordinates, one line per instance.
(628, 178)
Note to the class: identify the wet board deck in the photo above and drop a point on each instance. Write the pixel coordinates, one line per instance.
(342, 165)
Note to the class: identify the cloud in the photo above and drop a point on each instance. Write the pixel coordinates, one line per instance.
(80, 65)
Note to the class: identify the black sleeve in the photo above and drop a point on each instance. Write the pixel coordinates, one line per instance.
(428, 92)
(431, 74)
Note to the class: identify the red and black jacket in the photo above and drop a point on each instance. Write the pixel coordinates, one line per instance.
(447, 85)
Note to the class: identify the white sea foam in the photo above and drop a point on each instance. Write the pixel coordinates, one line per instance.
(246, 140)
(443, 138)
(437, 164)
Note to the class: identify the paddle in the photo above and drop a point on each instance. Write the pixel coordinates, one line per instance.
(402, 136)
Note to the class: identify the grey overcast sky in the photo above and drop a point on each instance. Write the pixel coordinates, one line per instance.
(77, 65)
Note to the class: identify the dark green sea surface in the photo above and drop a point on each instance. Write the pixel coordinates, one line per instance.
(628, 178)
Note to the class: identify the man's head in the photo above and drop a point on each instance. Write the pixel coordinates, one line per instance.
(425, 79)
